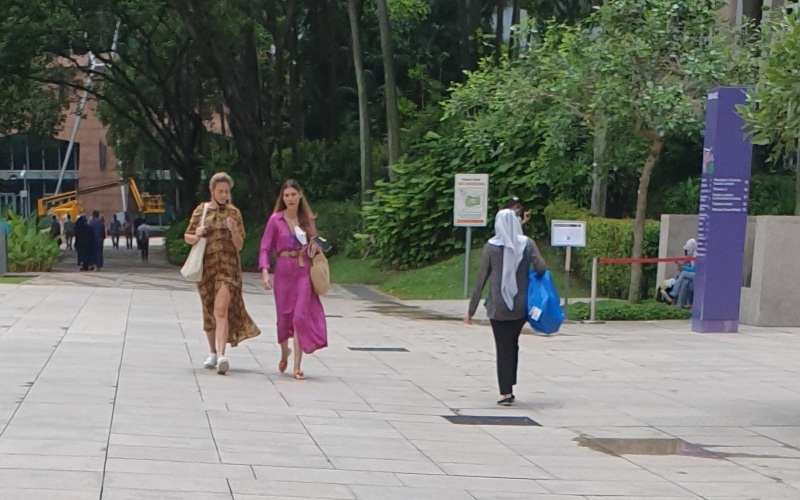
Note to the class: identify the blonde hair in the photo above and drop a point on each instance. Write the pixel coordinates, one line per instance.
(220, 177)
(304, 213)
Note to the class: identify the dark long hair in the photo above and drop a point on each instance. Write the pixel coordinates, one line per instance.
(304, 213)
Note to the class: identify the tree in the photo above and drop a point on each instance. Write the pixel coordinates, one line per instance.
(149, 92)
(28, 106)
(365, 142)
(773, 113)
(656, 61)
(231, 40)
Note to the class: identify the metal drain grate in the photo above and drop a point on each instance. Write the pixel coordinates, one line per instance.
(484, 420)
(379, 349)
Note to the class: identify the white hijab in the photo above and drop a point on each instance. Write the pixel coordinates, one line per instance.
(508, 234)
(691, 247)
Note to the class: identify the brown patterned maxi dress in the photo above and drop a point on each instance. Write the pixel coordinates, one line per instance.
(221, 265)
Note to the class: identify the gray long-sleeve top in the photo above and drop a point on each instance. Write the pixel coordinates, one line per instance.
(492, 270)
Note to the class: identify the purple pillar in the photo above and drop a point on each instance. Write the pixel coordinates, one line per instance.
(722, 223)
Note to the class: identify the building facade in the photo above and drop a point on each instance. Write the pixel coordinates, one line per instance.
(30, 166)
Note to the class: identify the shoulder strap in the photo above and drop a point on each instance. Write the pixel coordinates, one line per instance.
(205, 211)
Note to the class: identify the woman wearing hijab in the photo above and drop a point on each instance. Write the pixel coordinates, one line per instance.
(505, 262)
(684, 283)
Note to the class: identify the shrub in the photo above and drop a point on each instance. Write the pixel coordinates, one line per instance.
(683, 198)
(608, 238)
(252, 242)
(29, 248)
(338, 222)
(614, 310)
(177, 249)
(770, 194)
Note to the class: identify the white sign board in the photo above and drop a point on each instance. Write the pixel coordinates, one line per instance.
(568, 233)
(471, 200)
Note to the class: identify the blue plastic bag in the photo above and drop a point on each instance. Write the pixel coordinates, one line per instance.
(544, 304)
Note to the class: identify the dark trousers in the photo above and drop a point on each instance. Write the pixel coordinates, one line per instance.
(506, 341)
(115, 242)
(128, 241)
(144, 247)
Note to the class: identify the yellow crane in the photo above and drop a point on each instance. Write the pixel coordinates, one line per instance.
(68, 202)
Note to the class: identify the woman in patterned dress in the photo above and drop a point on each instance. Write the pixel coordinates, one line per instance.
(290, 234)
(225, 319)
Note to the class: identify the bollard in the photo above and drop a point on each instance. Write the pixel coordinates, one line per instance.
(593, 303)
(3, 251)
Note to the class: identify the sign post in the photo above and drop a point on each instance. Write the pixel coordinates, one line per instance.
(567, 233)
(470, 206)
(722, 222)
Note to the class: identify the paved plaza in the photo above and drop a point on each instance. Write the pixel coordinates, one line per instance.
(103, 396)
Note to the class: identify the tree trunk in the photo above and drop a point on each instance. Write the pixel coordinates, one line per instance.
(635, 290)
(498, 31)
(365, 142)
(599, 168)
(236, 67)
(326, 93)
(513, 45)
(468, 20)
(295, 97)
(392, 113)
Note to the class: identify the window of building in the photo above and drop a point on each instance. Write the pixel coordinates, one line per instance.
(19, 152)
(5, 153)
(35, 153)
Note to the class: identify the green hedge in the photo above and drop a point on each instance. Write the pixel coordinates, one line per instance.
(613, 310)
(608, 238)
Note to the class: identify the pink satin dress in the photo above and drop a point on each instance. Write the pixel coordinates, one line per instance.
(298, 307)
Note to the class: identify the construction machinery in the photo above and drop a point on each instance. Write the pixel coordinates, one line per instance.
(69, 203)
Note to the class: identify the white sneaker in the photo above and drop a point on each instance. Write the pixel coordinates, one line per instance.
(222, 365)
(211, 362)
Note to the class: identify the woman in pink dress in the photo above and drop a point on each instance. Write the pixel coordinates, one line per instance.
(289, 235)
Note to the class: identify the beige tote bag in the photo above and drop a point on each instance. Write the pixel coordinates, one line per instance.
(192, 269)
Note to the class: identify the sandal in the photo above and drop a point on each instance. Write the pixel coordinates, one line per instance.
(299, 375)
(284, 362)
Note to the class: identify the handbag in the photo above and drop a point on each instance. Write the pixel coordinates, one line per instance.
(192, 269)
(320, 274)
(544, 304)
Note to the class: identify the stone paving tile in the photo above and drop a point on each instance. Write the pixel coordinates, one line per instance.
(128, 494)
(290, 489)
(39, 494)
(329, 476)
(51, 462)
(473, 483)
(401, 493)
(60, 480)
(179, 469)
(637, 489)
(147, 484)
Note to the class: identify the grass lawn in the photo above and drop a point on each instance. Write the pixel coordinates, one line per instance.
(444, 280)
(12, 280)
(354, 271)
